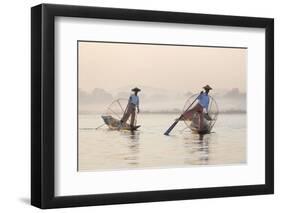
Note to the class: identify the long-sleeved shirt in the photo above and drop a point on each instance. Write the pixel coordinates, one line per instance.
(134, 99)
(204, 100)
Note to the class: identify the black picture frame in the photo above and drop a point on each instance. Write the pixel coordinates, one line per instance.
(43, 105)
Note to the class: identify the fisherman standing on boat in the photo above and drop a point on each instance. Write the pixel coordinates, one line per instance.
(133, 104)
(201, 107)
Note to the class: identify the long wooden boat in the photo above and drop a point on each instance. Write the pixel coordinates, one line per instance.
(114, 124)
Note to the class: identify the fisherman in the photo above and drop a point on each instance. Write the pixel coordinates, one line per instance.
(133, 104)
(201, 107)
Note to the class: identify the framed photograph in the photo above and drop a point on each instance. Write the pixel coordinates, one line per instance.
(139, 106)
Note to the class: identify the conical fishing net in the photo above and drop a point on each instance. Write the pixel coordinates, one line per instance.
(209, 117)
(117, 109)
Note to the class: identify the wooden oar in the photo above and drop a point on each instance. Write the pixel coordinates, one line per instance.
(178, 119)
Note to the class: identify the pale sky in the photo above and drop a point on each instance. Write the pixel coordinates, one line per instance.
(176, 68)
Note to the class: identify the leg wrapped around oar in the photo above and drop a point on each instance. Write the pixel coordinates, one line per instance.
(130, 111)
(188, 114)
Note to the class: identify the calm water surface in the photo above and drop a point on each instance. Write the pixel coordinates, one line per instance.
(105, 149)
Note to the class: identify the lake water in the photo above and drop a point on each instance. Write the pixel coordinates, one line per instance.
(105, 149)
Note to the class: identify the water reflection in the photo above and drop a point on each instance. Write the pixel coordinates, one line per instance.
(132, 142)
(203, 148)
(197, 149)
(105, 149)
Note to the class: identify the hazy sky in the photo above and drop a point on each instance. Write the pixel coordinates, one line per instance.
(177, 68)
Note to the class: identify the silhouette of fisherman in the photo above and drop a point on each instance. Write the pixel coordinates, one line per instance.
(133, 104)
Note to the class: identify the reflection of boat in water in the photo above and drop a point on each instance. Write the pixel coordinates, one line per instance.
(114, 123)
(114, 114)
(202, 123)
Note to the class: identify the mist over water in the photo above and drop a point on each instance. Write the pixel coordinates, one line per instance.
(159, 100)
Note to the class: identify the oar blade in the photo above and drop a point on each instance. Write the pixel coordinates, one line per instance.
(171, 127)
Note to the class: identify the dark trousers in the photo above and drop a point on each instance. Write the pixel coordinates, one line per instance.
(130, 111)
